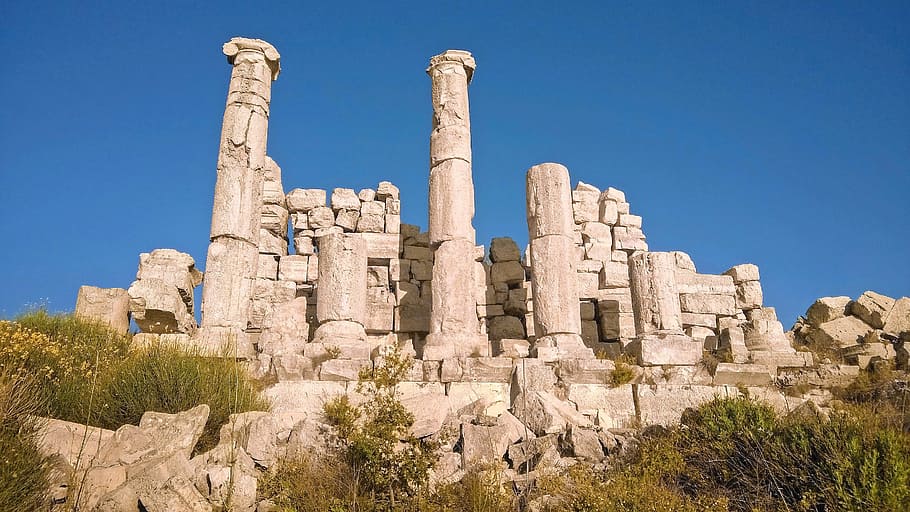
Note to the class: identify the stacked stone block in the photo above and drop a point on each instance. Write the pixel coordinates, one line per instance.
(110, 306)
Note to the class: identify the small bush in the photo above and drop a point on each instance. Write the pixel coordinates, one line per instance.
(480, 490)
(312, 485)
(392, 465)
(24, 470)
(624, 371)
(167, 378)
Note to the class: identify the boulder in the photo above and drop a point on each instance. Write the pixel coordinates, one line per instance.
(872, 308)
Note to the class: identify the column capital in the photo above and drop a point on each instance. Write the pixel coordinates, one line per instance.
(254, 49)
(453, 57)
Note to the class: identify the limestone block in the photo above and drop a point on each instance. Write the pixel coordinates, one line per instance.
(412, 317)
(293, 268)
(588, 311)
(744, 272)
(347, 219)
(304, 200)
(274, 218)
(386, 190)
(505, 327)
(544, 413)
(629, 239)
(699, 319)
(490, 310)
(265, 295)
(421, 270)
(585, 212)
(613, 194)
(683, 261)
(898, 321)
(304, 245)
(615, 325)
(596, 232)
(690, 282)
(157, 307)
(708, 303)
(270, 243)
(407, 293)
(312, 271)
(267, 267)
(392, 223)
(110, 306)
(742, 375)
(342, 278)
(589, 266)
(590, 332)
(173, 267)
(748, 295)
(655, 298)
(331, 230)
(614, 275)
(629, 220)
(476, 369)
(661, 349)
(664, 404)
(554, 286)
(372, 208)
(300, 222)
(732, 341)
(306, 397)
(617, 300)
(378, 276)
(451, 201)
(826, 309)
(412, 252)
(509, 272)
(840, 332)
(366, 195)
(345, 370)
(491, 397)
(549, 200)
(320, 217)
(585, 371)
(504, 249)
(285, 328)
(345, 199)
(380, 311)
(872, 308)
(601, 251)
(517, 303)
(607, 212)
(272, 191)
(371, 223)
(383, 246)
(613, 406)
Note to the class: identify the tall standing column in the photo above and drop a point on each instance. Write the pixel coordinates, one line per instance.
(554, 286)
(231, 261)
(454, 328)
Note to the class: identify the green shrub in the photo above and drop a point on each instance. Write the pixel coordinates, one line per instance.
(391, 464)
(92, 374)
(24, 471)
(167, 378)
(312, 485)
(624, 372)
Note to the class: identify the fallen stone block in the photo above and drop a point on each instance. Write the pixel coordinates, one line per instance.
(826, 309)
(872, 308)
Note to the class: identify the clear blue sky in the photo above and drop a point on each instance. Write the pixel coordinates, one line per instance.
(770, 132)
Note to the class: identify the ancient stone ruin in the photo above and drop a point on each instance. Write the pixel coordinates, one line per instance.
(310, 286)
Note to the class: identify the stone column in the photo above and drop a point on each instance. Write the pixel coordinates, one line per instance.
(655, 297)
(658, 320)
(454, 328)
(232, 257)
(554, 286)
(341, 295)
